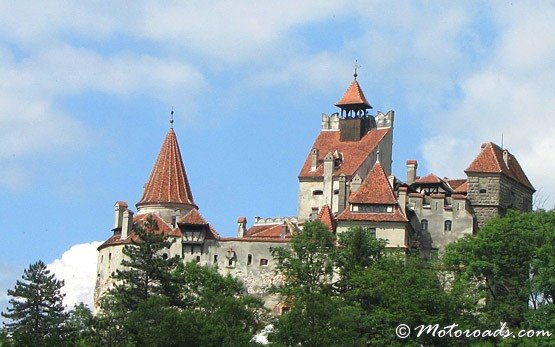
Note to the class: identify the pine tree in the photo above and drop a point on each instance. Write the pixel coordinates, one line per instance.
(146, 268)
(37, 312)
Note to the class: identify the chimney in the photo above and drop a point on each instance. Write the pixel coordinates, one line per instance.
(402, 198)
(284, 229)
(127, 224)
(506, 157)
(314, 160)
(342, 198)
(355, 183)
(412, 166)
(120, 206)
(241, 226)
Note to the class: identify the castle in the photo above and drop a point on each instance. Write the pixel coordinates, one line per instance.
(345, 181)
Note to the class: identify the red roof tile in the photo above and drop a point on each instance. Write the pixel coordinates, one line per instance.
(163, 227)
(325, 216)
(168, 181)
(268, 231)
(429, 179)
(396, 216)
(354, 152)
(462, 189)
(375, 189)
(353, 96)
(194, 218)
(455, 183)
(490, 160)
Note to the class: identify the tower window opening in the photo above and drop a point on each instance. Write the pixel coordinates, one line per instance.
(215, 258)
(263, 262)
(198, 259)
(447, 225)
(317, 192)
(249, 259)
(424, 225)
(230, 262)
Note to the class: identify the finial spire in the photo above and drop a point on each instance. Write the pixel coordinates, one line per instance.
(356, 69)
(171, 119)
(378, 156)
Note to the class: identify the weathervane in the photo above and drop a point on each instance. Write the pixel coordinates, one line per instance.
(171, 119)
(356, 69)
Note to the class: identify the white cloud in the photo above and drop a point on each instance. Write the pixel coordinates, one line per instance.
(511, 94)
(77, 268)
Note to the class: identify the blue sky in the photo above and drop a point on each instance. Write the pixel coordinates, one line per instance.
(86, 90)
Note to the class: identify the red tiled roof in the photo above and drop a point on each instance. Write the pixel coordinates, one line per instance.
(163, 228)
(375, 189)
(194, 218)
(354, 152)
(325, 216)
(168, 181)
(396, 216)
(455, 183)
(490, 160)
(462, 189)
(353, 96)
(267, 231)
(429, 179)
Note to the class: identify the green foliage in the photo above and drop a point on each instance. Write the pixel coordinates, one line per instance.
(79, 326)
(511, 261)
(37, 312)
(147, 269)
(308, 265)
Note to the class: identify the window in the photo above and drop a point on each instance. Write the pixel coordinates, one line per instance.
(263, 262)
(483, 185)
(174, 221)
(215, 259)
(375, 208)
(317, 192)
(447, 225)
(249, 259)
(230, 262)
(372, 232)
(424, 225)
(109, 256)
(165, 256)
(198, 259)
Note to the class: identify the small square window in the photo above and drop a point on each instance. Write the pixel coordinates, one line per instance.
(263, 262)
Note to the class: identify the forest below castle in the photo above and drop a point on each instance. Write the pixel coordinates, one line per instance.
(336, 290)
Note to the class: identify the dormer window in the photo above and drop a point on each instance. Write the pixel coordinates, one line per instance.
(375, 208)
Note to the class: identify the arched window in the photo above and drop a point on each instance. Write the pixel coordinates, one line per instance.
(447, 225)
(424, 225)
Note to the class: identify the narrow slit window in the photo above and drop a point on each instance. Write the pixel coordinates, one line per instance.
(249, 259)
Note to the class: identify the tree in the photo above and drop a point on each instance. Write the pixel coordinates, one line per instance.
(146, 267)
(37, 312)
(316, 317)
(511, 261)
(79, 325)
(308, 266)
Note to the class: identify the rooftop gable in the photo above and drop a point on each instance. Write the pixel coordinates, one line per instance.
(353, 96)
(375, 189)
(490, 160)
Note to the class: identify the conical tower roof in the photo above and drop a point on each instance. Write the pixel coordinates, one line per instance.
(353, 98)
(168, 181)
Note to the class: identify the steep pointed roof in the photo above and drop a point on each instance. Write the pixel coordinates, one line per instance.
(490, 160)
(353, 97)
(168, 181)
(325, 216)
(375, 189)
